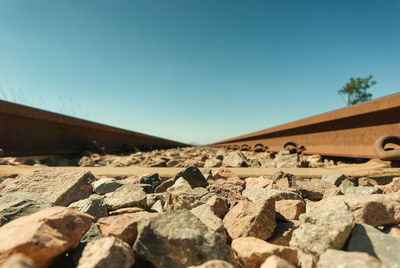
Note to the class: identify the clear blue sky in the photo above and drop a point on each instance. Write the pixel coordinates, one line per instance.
(195, 70)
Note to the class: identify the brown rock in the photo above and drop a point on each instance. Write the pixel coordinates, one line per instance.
(283, 181)
(392, 187)
(276, 262)
(289, 209)
(128, 195)
(258, 182)
(18, 260)
(255, 219)
(224, 173)
(123, 226)
(252, 252)
(56, 185)
(44, 235)
(108, 252)
(367, 182)
(376, 209)
(231, 190)
(218, 206)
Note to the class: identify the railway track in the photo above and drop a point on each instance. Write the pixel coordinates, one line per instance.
(347, 132)
(30, 131)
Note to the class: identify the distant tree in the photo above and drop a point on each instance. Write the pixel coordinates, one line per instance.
(355, 91)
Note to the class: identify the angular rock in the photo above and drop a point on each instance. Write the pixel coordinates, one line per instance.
(18, 261)
(18, 204)
(92, 233)
(345, 184)
(218, 205)
(178, 239)
(93, 205)
(106, 185)
(252, 252)
(108, 252)
(164, 186)
(214, 264)
(365, 238)
(224, 173)
(44, 235)
(363, 181)
(376, 210)
(123, 226)
(261, 194)
(320, 231)
(285, 160)
(259, 182)
(157, 207)
(153, 198)
(283, 181)
(213, 163)
(126, 210)
(193, 176)
(283, 232)
(57, 185)
(235, 159)
(128, 195)
(287, 210)
(231, 190)
(255, 219)
(314, 189)
(153, 180)
(185, 198)
(276, 262)
(338, 258)
(392, 187)
(362, 191)
(206, 215)
(335, 179)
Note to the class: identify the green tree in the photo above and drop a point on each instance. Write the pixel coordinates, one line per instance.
(355, 91)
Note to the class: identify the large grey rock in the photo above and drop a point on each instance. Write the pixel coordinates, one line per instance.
(60, 186)
(93, 205)
(320, 231)
(261, 194)
(106, 185)
(178, 239)
(335, 179)
(255, 219)
(129, 195)
(18, 204)
(376, 209)
(107, 252)
(338, 258)
(193, 176)
(386, 248)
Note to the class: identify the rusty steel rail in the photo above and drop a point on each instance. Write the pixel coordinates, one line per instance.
(347, 132)
(28, 131)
